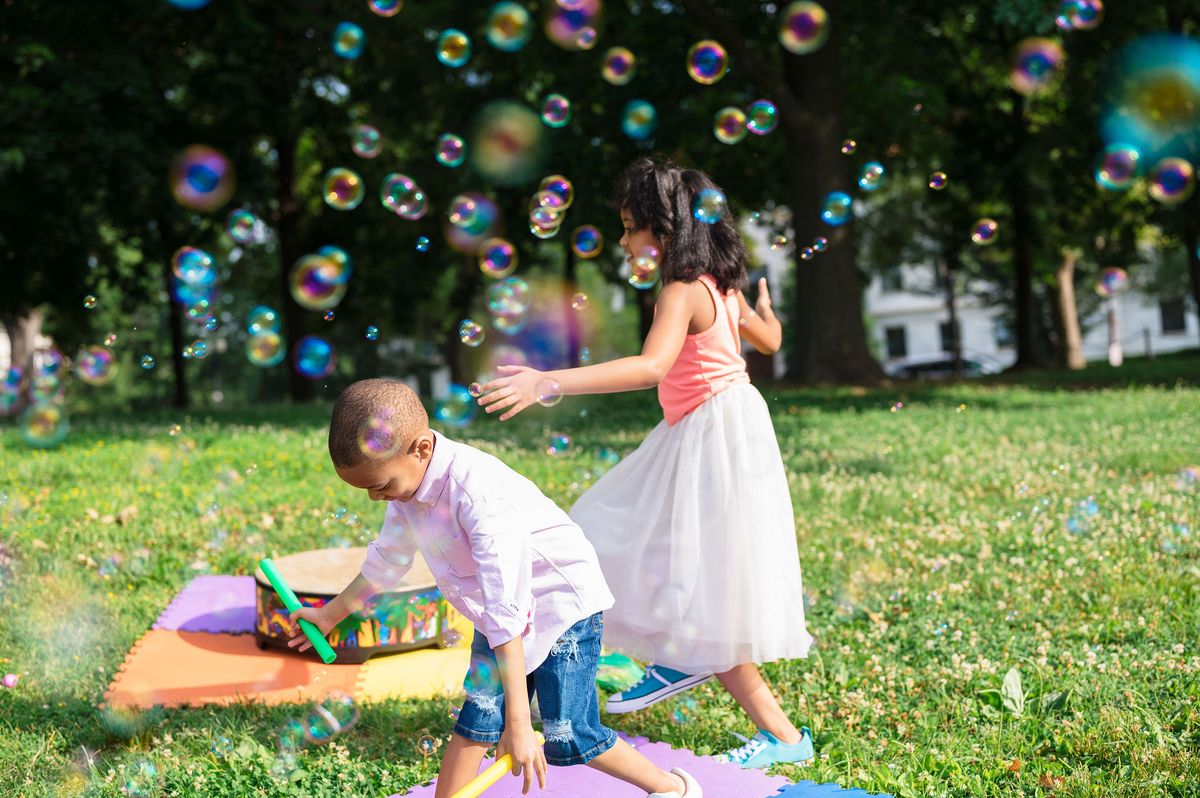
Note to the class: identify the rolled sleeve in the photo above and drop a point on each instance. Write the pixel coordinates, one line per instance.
(504, 563)
(390, 555)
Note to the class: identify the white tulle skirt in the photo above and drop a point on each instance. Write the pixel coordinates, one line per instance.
(697, 540)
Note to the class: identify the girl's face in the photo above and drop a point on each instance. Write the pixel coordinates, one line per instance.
(635, 242)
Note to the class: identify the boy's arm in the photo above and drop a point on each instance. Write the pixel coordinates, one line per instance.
(518, 738)
(353, 599)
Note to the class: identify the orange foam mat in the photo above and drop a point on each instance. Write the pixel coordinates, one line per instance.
(426, 673)
(172, 668)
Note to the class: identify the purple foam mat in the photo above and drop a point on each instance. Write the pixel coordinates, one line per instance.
(717, 778)
(218, 604)
(810, 789)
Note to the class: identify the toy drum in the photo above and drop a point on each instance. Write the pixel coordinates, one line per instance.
(414, 615)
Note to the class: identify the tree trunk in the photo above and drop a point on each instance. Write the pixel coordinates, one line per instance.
(829, 337)
(288, 227)
(466, 283)
(181, 396)
(23, 332)
(950, 291)
(1070, 352)
(1022, 244)
(570, 287)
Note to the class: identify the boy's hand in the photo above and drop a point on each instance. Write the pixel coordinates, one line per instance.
(318, 616)
(518, 740)
(516, 391)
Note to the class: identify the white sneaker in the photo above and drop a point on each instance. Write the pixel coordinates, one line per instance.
(691, 787)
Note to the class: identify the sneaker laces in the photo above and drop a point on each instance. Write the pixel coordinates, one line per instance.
(742, 753)
(650, 675)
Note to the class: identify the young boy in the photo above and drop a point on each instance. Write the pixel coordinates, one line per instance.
(508, 559)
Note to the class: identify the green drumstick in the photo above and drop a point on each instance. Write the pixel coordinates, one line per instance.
(292, 603)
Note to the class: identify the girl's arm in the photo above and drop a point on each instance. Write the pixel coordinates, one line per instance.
(759, 325)
(518, 390)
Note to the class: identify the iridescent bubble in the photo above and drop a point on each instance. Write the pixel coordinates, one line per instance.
(707, 62)
(202, 178)
(475, 389)
(148, 362)
(471, 332)
(509, 27)
(984, 232)
(89, 302)
(262, 319)
(317, 282)
(422, 243)
(265, 349)
(587, 242)
(556, 110)
(497, 258)
(507, 143)
(451, 150)
(1035, 64)
(619, 66)
(319, 726)
(199, 311)
(484, 223)
(43, 425)
(139, 778)
(372, 333)
(778, 243)
(348, 40)
(803, 27)
(820, 243)
(761, 117)
(221, 746)
(1082, 14)
(426, 746)
(1172, 180)
(457, 408)
(510, 323)
(510, 296)
(199, 349)
(401, 195)
(871, 176)
(836, 208)
(189, 5)
(806, 253)
(639, 120)
(242, 226)
(729, 125)
(313, 357)
(1187, 478)
(849, 147)
(560, 185)
(96, 365)
(385, 8)
(1112, 282)
(548, 392)
(560, 443)
(462, 210)
(379, 435)
(937, 181)
(585, 355)
(579, 301)
(453, 48)
(366, 141)
(1118, 166)
(573, 24)
(329, 315)
(709, 205)
(194, 266)
(343, 189)
(643, 269)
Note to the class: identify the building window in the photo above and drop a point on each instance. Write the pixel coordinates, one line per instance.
(1173, 320)
(949, 335)
(893, 280)
(1002, 332)
(897, 342)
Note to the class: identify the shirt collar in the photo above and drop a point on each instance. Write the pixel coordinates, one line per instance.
(438, 471)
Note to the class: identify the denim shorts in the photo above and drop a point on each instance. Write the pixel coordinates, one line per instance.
(565, 685)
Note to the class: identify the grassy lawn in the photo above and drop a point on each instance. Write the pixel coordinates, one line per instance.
(974, 530)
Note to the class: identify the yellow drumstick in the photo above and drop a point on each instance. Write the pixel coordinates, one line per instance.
(492, 775)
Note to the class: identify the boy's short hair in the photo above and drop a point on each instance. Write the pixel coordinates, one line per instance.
(374, 420)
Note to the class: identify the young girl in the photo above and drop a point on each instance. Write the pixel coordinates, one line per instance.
(694, 530)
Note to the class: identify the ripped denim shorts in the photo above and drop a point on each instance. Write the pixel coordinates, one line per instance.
(565, 685)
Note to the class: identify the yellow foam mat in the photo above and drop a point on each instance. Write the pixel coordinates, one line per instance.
(425, 673)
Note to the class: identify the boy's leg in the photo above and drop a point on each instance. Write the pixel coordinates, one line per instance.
(746, 685)
(460, 764)
(624, 762)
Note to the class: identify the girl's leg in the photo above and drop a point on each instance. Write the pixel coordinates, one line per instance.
(747, 687)
(623, 762)
(459, 765)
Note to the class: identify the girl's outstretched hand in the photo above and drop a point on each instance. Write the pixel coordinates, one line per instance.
(516, 391)
(763, 305)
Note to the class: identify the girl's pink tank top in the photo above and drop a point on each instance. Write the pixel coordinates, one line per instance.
(709, 362)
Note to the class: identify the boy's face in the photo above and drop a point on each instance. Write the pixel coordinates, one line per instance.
(394, 479)
(635, 241)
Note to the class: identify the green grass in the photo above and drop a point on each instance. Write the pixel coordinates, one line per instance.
(934, 541)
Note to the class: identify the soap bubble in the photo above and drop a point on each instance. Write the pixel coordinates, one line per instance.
(643, 271)
(318, 281)
(457, 408)
(343, 189)
(461, 212)
(803, 27)
(484, 223)
(43, 425)
(729, 125)
(556, 110)
(762, 117)
(471, 332)
(199, 349)
(475, 389)
(497, 258)
(1035, 64)
(587, 242)
(984, 232)
(937, 181)
(422, 244)
(871, 176)
(639, 120)
(561, 186)
(1112, 282)
(548, 392)
(579, 301)
(221, 746)
(242, 226)
(262, 319)
(849, 147)
(313, 357)
(451, 150)
(836, 208)
(372, 333)
(509, 296)
(366, 141)
(1118, 166)
(148, 362)
(709, 205)
(89, 302)
(707, 62)
(426, 745)
(401, 195)
(96, 365)
(453, 48)
(507, 143)
(778, 242)
(1082, 14)
(202, 178)
(619, 66)
(265, 349)
(194, 266)
(573, 24)
(509, 27)
(139, 778)
(560, 443)
(348, 40)
(385, 8)
(820, 243)
(1172, 180)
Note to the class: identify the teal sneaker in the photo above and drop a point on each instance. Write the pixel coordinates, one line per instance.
(765, 750)
(657, 684)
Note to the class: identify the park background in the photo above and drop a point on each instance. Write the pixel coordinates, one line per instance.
(1039, 520)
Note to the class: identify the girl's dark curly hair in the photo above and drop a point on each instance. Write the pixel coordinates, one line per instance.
(658, 194)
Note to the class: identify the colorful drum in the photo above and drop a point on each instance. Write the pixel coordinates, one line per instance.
(412, 616)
